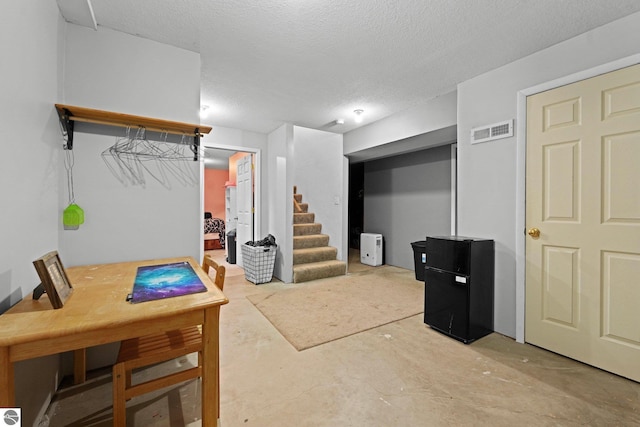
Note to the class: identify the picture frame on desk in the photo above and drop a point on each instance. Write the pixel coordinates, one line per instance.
(54, 278)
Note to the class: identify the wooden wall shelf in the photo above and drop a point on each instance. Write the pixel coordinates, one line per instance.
(69, 114)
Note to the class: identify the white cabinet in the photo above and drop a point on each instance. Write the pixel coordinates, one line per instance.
(230, 208)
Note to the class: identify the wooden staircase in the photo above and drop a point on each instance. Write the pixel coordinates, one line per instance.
(313, 258)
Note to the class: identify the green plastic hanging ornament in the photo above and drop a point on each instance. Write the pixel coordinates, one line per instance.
(72, 217)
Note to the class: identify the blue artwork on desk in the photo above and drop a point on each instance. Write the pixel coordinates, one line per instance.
(165, 281)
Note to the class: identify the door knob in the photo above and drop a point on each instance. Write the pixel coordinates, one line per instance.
(534, 232)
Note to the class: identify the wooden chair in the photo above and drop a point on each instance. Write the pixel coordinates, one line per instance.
(207, 264)
(152, 349)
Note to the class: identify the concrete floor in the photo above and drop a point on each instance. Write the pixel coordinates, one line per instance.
(400, 374)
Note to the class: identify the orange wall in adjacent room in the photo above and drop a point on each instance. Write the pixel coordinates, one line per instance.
(214, 180)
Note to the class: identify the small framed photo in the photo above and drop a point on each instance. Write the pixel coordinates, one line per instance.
(54, 278)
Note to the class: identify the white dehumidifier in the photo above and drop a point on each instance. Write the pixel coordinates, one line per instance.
(371, 249)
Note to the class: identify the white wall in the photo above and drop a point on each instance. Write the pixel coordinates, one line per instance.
(279, 198)
(221, 137)
(436, 113)
(31, 39)
(318, 174)
(117, 72)
(488, 172)
(114, 71)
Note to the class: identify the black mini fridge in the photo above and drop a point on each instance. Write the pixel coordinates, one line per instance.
(459, 286)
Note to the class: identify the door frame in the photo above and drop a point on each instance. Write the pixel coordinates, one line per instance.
(257, 183)
(521, 163)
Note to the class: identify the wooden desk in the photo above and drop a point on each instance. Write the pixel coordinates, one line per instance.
(97, 313)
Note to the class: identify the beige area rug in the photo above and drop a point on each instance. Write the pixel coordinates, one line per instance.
(328, 309)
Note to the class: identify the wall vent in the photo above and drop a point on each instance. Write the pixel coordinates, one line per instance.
(492, 132)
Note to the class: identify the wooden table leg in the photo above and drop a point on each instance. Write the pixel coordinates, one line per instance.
(7, 391)
(79, 366)
(210, 366)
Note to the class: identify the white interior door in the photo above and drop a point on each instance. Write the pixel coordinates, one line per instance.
(583, 197)
(244, 177)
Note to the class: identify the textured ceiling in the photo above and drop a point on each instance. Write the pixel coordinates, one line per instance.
(310, 62)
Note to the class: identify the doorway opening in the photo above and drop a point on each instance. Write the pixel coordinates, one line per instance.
(220, 199)
(404, 197)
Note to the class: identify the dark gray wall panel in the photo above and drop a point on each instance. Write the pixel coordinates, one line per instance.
(406, 198)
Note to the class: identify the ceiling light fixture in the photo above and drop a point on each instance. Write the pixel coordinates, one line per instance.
(337, 122)
(358, 114)
(204, 111)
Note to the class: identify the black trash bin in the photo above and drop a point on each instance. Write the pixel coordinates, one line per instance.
(420, 258)
(231, 247)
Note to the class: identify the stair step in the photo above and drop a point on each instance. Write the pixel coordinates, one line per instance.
(318, 270)
(304, 207)
(298, 197)
(307, 255)
(310, 241)
(304, 218)
(306, 229)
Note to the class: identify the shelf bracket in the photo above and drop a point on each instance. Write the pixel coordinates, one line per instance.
(67, 126)
(196, 145)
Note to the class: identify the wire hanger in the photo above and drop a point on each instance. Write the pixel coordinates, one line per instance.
(133, 157)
